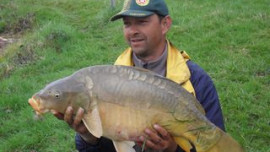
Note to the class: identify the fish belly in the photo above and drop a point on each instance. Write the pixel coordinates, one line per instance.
(127, 123)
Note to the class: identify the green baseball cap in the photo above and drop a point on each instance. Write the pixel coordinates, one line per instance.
(142, 8)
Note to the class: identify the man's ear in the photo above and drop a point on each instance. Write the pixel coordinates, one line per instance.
(166, 24)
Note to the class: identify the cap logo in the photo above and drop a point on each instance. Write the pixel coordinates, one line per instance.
(142, 2)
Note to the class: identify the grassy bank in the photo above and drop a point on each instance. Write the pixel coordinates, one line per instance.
(229, 39)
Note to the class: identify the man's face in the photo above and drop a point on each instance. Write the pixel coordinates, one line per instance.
(146, 36)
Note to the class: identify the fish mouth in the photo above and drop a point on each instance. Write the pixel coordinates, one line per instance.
(35, 105)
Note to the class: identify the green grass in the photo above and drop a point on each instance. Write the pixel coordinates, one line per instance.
(229, 39)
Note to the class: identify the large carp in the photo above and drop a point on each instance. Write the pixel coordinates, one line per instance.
(120, 102)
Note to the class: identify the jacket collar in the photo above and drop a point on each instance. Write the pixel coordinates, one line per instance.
(177, 69)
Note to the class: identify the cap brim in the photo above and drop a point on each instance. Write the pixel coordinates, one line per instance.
(132, 13)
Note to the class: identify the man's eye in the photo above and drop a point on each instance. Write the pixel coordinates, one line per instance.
(126, 24)
(143, 22)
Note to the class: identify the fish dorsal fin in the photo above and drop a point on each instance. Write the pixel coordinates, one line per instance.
(93, 123)
(124, 146)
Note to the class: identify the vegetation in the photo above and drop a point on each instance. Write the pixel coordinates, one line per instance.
(54, 38)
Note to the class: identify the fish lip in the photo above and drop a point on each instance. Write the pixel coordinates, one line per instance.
(35, 104)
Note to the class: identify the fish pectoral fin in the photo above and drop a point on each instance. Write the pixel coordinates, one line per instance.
(92, 122)
(183, 143)
(124, 146)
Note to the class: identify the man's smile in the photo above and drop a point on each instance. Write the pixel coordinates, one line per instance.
(136, 41)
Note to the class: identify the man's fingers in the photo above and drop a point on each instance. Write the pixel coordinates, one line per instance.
(74, 122)
(150, 144)
(158, 139)
(68, 115)
(153, 136)
(163, 132)
(78, 118)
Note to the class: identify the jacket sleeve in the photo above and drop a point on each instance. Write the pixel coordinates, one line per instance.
(82, 146)
(206, 94)
(103, 145)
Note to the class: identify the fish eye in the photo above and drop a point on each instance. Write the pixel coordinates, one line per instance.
(57, 95)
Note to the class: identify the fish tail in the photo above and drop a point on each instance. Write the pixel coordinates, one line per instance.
(226, 143)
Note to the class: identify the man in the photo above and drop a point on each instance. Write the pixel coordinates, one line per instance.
(146, 23)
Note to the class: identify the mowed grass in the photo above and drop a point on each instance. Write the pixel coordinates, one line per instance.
(229, 39)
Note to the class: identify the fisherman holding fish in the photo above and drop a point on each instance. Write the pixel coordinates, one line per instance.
(146, 23)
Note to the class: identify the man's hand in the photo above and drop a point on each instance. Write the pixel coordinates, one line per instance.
(76, 123)
(158, 139)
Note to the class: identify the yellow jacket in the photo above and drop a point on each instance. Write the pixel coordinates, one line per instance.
(177, 69)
